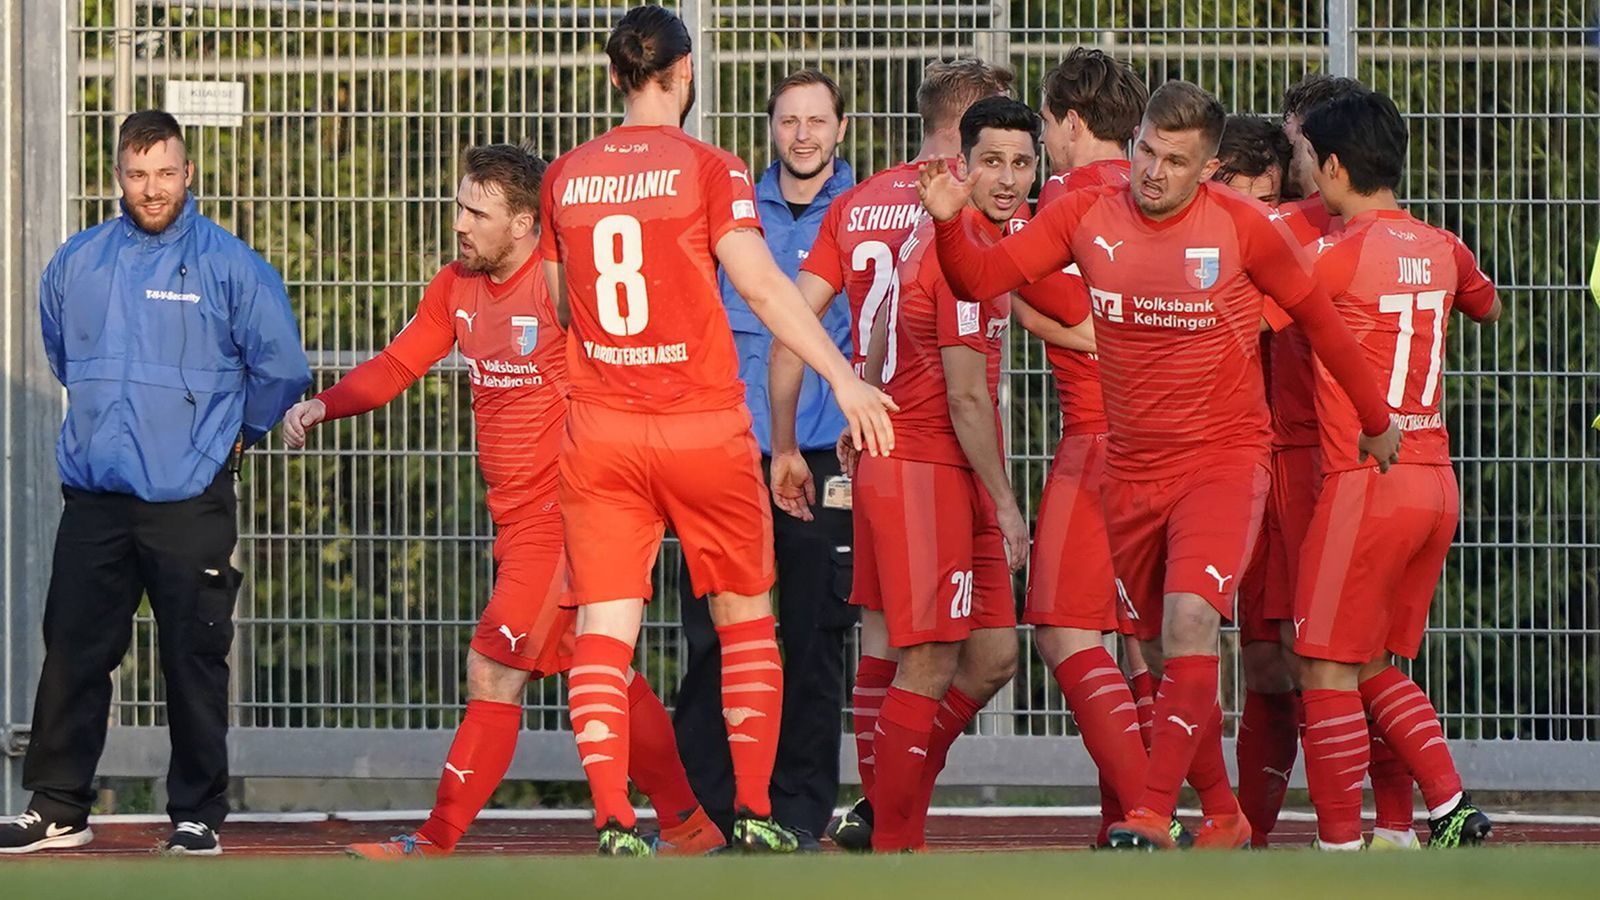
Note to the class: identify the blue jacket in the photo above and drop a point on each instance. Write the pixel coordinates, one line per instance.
(818, 421)
(170, 345)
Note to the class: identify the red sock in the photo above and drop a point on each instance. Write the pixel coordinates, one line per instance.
(873, 677)
(1408, 724)
(1111, 811)
(1144, 697)
(1208, 772)
(477, 763)
(653, 763)
(1337, 754)
(597, 697)
(1267, 745)
(1392, 792)
(1184, 706)
(752, 708)
(905, 729)
(956, 711)
(1107, 717)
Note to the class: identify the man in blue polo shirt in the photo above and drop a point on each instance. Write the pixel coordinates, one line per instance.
(806, 114)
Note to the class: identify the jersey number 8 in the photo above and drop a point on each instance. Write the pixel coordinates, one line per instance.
(618, 257)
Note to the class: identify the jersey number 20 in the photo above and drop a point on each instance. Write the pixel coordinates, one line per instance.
(618, 257)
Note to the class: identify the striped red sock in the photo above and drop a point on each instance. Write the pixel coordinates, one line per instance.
(1208, 772)
(873, 677)
(1144, 697)
(653, 762)
(476, 764)
(1108, 718)
(1392, 788)
(1267, 746)
(597, 697)
(1184, 707)
(1407, 722)
(752, 708)
(1337, 754)
(956, 711)
(905, 728)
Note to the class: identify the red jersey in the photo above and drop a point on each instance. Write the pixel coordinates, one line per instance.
(1394, 280)
(925, 316)
(1177, 305)
(515, 354)
(634, 217)
(859, 242)
(1290, 384)
(1083, 409)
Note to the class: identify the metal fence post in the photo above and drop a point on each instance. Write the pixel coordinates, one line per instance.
(693, 13)
(1341, 26)
(33, 211)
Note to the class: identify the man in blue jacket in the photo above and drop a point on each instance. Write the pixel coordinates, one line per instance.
(806, 114)
(177, 347)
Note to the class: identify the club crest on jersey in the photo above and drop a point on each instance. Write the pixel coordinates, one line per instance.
(526, 330)
(1202, 265)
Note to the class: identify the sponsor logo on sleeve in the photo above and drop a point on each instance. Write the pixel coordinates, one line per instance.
(744, 209)
(967, 318)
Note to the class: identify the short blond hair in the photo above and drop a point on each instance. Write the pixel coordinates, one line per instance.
(949, 86)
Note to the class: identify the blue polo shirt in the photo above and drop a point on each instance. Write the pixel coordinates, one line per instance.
(818, 421)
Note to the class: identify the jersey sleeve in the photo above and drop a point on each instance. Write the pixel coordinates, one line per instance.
(978, 270)
(1060, 295)
(420, 344)
(1276, 318)
(1271, 256)
(957, 322)
(729, 195)
(1475, 293)
(825, 259)
(548, 249)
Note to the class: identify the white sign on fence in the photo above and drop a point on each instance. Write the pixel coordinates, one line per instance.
(207, 102)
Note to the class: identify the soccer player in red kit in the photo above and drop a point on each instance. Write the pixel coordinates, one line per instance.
(940, 531)
(1177, 270)
(1295, 420)
(1376, 546)
(1092, 106)
(636, 222)
(1255, 155)
(855, 252)
(492, 305)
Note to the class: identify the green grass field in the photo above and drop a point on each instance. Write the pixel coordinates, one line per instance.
(1504, 872)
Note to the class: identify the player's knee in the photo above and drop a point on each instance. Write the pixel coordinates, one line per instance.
(1057, 644)
(493, 681)
(731, 609)
(1328, 675)
(1376, 666)
(1191, 626)
(927, 669)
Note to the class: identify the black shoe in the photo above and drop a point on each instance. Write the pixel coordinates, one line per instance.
(806, 841)
(851, 831)
(30, 832)
(191, 839)
(1463, 826)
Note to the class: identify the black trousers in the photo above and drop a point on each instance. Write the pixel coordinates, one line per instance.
(112, 549)
(814, 618)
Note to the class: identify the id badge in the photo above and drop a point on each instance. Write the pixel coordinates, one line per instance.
(836, 492)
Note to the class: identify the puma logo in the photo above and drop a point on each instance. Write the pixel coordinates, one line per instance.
(1323, 244)
(1187, 728)
(513, 638)
(1222, 581)
(1297, 624)
(1277, 215)
(466, 317)
(742, 176)
(1275, 772)
(1110, 249)
(920, 752)
(459, 773)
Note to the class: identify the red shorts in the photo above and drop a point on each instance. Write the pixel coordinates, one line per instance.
(1266, 592)
(525, 626)
(1372, 560)
(627, 476)
(928, 552)
(1070, 582)
(1188, 534)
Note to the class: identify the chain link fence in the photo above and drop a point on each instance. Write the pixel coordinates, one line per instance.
(367, 555)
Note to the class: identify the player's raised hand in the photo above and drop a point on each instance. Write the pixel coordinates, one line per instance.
(944, 191)
(847, 454)
(1014, 528)
(1385, 448)
(300, 418)
(793, 489)
(867, 410)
